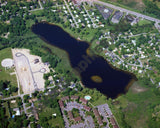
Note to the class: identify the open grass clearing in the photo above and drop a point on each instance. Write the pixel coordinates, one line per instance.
(54, 121)
(135, 105)
(5, 74)
(144, 22)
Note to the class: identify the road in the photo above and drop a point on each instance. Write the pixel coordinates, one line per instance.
(21, 95)
(157, 26)
(22, 55)
(94, 25)
(11, 97)
(138, 35)
(128, 11)
(71, 14)
(36, 9)
(41, 7)
(112, 53)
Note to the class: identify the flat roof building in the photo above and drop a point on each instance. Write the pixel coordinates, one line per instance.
(61, 104)
(87, 108)
(112, 120)
(117, 17)
(77, 119)
(106, 12)
(96, 113)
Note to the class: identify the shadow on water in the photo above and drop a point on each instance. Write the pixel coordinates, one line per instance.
(95, 71)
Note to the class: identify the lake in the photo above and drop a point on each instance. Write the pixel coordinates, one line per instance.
(95, 71)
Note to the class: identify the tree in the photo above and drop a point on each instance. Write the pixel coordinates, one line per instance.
(33, 125)
(25, 123)
(14, 89)
(35, 93)
(4, 85)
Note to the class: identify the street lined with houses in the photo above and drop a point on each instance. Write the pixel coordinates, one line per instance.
(71, 13)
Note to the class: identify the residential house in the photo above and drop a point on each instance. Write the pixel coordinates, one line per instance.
(74, 97)
(87, 108)
(83, 101)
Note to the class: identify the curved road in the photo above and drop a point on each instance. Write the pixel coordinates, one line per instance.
(34, 82)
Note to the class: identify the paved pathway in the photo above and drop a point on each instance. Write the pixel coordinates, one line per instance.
(41, 7)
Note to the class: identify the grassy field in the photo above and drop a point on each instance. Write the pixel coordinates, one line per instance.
(5, 74)
(53, 121)
(144, 22)
(29, 23)
(128, 4)
(156, 2)
(136, 106)
(6, 108)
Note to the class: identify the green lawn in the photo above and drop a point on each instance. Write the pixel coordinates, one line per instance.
(29, 23)
(75, 113)
(57, 121)
(6, 108)
(13, 105)
(38, 12)
(5, 74)
(96, 97)
(144, 22)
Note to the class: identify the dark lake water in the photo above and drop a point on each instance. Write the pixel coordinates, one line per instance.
(95, 71)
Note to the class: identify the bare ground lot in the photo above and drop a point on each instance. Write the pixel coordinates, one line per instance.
(137, 89)
(30, 74)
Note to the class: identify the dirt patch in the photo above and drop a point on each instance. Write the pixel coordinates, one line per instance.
(137, 89)
(30, 74)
